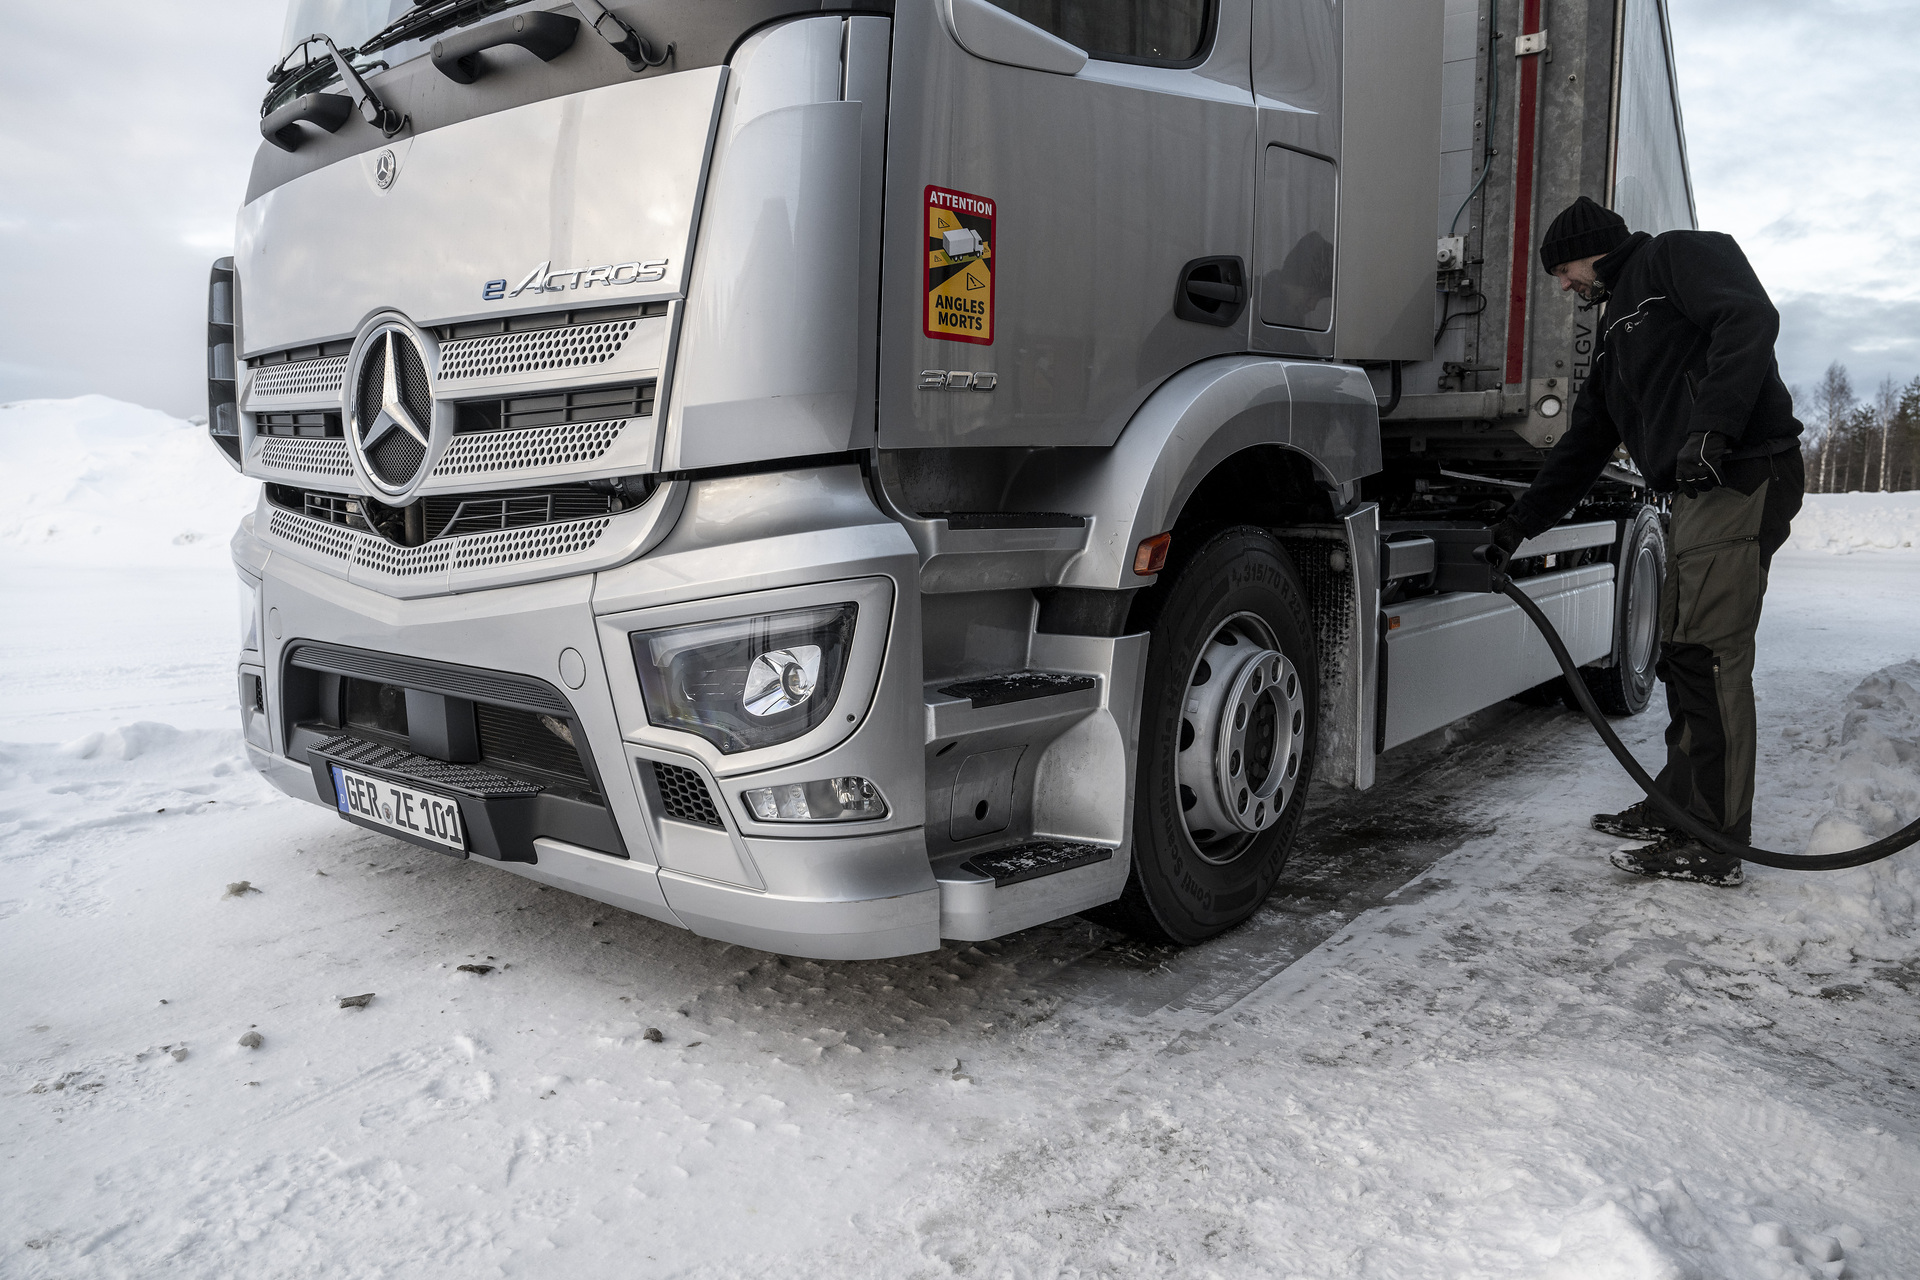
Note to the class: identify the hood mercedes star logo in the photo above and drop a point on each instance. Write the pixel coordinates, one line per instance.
(386, 167)
(394, 414)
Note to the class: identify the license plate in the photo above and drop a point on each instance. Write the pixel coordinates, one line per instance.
(411, 812)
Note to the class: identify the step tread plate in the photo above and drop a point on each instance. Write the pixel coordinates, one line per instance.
(1033, 860)
(1018, 686)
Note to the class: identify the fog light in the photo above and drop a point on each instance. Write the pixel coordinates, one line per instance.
(829, 800)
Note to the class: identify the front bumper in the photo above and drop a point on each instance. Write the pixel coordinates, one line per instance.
(841, 891)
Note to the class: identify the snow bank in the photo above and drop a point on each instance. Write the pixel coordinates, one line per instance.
(1876, 791)
(1841, 523)
(121, 778)
(98, 481)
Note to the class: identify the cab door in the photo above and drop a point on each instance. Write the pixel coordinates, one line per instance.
(1297, 97)
(1053, 166)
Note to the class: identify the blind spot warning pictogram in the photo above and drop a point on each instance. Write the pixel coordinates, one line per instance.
(959, 267)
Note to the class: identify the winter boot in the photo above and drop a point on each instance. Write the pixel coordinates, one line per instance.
(1635, 822)
(1681, 857)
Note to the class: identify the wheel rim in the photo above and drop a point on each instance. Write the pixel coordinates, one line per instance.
(1643, 609)
(1242, 738)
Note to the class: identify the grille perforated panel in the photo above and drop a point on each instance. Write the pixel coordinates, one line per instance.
(684, 795)
(478, 551)
(309, 457)
(302, 378)
(314, 535)
(539, 349)
(401, 562)
(537, 543)
(483, 451)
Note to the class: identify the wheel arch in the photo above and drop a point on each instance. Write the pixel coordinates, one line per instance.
(1212, 434)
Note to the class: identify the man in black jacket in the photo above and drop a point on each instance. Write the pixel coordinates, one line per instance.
(1684, 377)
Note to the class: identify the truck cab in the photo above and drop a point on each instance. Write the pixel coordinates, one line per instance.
(841, 478)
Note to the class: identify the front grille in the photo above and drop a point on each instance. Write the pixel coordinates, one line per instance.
(314, 536)
(301, 355)
(335, 508)
(529, 742)
(459, 514)
(322, 377)
(551, 320)
(461, 531)
(480, 452)
(555, 408)
(312, 425)
(683, 794)
(311, 457)
(479, 551)
(509, 353)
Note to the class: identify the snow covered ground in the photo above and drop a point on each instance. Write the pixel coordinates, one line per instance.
(1512, 1062)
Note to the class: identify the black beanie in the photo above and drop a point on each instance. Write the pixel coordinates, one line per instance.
(1582, 230)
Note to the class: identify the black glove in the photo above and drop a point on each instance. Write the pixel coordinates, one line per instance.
(1700, 466)
(1502, 541)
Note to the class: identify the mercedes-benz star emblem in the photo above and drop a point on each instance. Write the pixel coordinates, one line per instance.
(386, 167)
(391, 412)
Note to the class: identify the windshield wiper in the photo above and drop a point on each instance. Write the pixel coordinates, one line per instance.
(312, 74)
(431, 17)
(626, 42)
(365, 100)
(434, 16)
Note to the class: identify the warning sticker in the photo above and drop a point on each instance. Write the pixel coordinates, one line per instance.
(959, 267)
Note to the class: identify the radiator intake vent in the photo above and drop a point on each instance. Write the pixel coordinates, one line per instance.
(683, 794)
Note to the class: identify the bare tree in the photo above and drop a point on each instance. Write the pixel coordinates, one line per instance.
(1886, 407)
(1832, 402)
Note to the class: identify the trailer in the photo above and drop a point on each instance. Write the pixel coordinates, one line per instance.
(839, 478)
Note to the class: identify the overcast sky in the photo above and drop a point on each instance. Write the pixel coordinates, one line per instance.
(127, 130)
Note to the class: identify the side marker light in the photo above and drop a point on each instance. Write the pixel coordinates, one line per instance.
(1151, 555)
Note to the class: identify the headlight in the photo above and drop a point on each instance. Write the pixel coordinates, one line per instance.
(746, 682)
(249, 615)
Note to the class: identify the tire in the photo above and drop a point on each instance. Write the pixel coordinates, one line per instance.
(1626, 687)
(1237, 594)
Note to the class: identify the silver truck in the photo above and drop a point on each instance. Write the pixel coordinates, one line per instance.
(841, 478)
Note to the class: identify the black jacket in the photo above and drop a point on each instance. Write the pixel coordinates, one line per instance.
(1686, 344)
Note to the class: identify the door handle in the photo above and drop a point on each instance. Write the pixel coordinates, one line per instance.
(1211, 291)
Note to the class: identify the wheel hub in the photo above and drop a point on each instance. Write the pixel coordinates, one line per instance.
(1241, 739)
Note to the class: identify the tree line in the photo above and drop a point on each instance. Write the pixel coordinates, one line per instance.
(1859, 444)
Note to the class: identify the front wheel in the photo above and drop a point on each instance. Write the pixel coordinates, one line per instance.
(1228, 726)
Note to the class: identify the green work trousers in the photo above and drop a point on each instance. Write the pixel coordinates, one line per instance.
(1720, 545)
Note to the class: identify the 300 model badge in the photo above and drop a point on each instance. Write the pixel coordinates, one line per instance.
(544, 280)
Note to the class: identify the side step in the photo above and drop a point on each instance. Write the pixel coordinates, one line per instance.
(991, 894)
(979, 705)
(1017, 686)
(1031, 861)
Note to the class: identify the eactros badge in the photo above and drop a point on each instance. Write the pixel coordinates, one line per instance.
(390, 426)
(959, 267)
